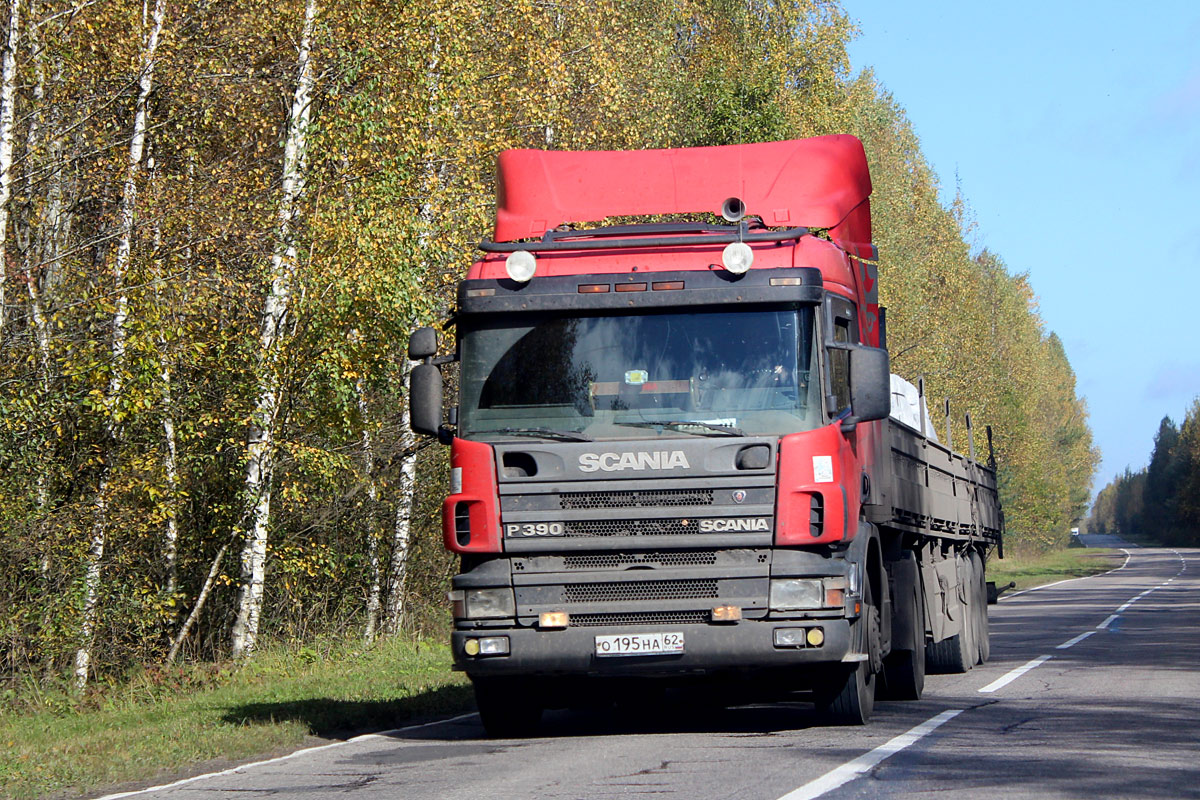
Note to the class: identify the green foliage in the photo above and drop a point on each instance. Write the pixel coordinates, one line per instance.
(1159, 503)
(411, 109)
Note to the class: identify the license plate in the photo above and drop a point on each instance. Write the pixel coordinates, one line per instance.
(639, 644)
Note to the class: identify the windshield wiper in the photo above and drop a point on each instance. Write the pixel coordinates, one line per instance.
(544, 433)
(681, 426)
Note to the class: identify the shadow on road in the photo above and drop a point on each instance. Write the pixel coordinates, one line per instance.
(339, 719)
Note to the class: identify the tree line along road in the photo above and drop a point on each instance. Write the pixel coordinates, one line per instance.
(1092, 691)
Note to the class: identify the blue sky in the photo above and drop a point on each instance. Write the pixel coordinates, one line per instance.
(1074, 129)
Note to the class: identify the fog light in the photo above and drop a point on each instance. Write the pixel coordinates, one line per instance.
(815, 637)
(553, 619)
(520, 266)
(471, 647)
(493, 646)
(726, 613)
(789, 637)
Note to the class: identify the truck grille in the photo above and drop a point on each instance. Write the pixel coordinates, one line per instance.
(631, 527)
(640, 618)
(644, 498)
(698, 558)
(641, 590)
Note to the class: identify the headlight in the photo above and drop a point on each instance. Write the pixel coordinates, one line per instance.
(807, 594)
(796, 594)
(490, 603)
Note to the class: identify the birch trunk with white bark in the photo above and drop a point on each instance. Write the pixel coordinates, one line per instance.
(112, 400)
(375, 588)
(170, 543)
(189, 623)
(260, 456)
(393, 619)
(8, 107)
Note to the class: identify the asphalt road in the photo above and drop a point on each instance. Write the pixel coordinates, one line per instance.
(1108, 706)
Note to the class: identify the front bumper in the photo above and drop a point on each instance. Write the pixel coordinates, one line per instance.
(745, 646)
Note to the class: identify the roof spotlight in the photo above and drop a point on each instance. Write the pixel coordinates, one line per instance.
(521, 265)
(737, 257)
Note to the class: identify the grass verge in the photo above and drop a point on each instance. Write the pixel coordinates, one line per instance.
(163, 721)
(1028, 571)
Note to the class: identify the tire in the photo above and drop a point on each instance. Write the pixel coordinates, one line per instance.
(983, 637)
(849, 699)
(506, 708)
(904, 670)
(958, 653)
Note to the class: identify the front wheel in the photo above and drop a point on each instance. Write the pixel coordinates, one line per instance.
(849, 699)
(506, 708)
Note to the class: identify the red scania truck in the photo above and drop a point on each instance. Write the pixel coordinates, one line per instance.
(672, 458)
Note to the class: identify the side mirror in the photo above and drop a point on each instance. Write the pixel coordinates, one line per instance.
(870, 385)
(425, 398)
(422, 343)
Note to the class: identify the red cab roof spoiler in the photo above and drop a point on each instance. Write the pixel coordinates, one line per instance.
(820, 182)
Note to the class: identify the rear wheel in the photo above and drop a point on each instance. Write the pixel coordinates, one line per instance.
(983, 639)
(849, 698)
(904, 670)
(959, 652)
(506, 708)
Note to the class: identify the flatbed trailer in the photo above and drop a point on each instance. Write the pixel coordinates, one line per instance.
(672, 459)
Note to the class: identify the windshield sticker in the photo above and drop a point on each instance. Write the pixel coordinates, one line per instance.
(823, 469)
(636, 377)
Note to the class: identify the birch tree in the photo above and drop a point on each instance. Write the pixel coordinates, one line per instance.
(402, 527)
(8, 107)
(260, 451)
(374, 563)
(116, 385)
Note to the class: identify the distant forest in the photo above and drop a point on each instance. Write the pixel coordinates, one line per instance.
(219, 222)
(1161, 502)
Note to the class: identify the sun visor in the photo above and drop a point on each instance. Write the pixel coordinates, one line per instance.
(820, 182)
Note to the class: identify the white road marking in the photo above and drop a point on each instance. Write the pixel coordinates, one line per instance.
(1106, 622)
(1075, 641)
(1005, 680)
(232, 770)
(852, 769)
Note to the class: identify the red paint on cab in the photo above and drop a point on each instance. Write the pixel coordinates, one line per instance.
(481, 495)
(799, 454)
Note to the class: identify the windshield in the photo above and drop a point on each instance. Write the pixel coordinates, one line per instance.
(641, 375)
